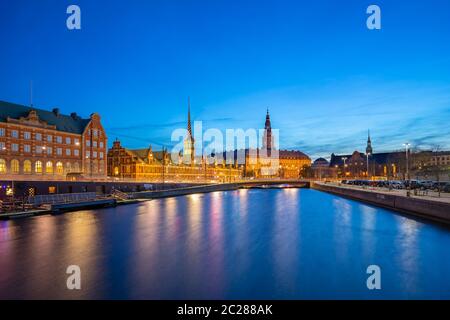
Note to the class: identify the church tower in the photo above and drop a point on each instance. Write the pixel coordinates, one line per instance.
(188, 146)
(369, 144)
(267, 142)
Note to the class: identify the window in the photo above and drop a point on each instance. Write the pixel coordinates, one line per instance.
(68, 140)
(76, 141)
(49, 138)
(76, 152)
(59, 139)
(27, 148)
(2, 146)
(39, 149)
(15, 147)
(59, 168)
(76, 167)
(59, 151)
(101, 144)
(116, 171)
(2, 132)
(51, 190)
(27, 166)
(15, 166)
(2, 166)
(101, 155)
(38, 136)
(49, 151)
(95, 132)
(94, 144)
(49, 167)
(27, 135)
(68, 152)
(94, 154)
(38, 167)
(88, 143)
(68, 167)
(88, 154)
(15, 134)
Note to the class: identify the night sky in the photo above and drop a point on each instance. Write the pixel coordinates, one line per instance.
(324, 76)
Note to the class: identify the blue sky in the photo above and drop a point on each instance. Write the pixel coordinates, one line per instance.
(325, 77)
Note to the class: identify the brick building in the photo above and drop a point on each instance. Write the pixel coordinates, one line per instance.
(37, 144)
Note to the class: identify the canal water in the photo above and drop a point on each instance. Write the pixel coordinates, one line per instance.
(245, 244)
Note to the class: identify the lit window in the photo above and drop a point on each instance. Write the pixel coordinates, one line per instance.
(76, 167)
(49, 167)
(2, 166)
(15, 166)
(51, 190)
(68, 167)
(27, 166)
(59, 168)
(38, 167)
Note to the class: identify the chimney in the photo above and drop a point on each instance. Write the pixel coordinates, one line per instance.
(56, 111)
(74, 115)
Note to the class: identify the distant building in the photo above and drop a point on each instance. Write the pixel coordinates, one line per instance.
(269, 162)
(148, 165)
(321, 169)
(36, 144)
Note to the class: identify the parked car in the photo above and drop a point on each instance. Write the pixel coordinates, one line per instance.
(438, 185)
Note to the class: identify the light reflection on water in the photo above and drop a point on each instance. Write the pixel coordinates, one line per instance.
(292, 243)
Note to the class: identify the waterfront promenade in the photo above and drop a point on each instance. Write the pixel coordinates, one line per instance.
(429, 206)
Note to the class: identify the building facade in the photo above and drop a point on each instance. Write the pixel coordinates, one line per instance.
(37, 144)
(157, 166)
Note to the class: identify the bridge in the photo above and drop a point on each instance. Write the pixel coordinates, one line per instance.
(248, 184)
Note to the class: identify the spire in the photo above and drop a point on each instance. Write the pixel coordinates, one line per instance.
(267, 124)
(369, 144)
(189, 128)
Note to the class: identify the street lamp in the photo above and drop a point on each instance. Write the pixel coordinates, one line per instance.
(344, 158)
(407, 145)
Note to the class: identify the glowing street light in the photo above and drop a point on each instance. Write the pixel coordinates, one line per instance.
(407, 145)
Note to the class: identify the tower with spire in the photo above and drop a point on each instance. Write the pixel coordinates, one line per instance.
(369, 144)
(267, 142)
(188, 146)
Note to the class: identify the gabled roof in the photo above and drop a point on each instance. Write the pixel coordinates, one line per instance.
(66, 123)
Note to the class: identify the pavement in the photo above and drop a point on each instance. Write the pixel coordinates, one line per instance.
(425, 195)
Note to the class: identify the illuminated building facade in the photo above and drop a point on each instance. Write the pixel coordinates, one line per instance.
(37, 144)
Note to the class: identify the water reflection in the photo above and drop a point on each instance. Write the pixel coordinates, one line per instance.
(245, 244)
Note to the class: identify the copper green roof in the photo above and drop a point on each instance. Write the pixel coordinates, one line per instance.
(66, 123)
